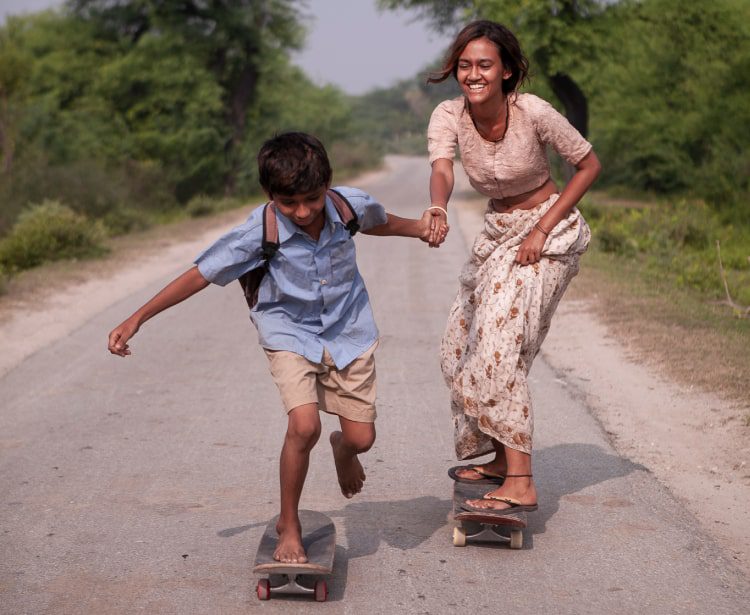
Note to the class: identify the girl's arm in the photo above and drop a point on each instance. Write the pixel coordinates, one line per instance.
(441, 188)
(441, 182)
(177, 290)
(587, 171)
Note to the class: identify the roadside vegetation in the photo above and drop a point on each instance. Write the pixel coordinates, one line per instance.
(128, 114)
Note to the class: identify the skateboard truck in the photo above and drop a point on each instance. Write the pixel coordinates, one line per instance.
(482, 532)
(290, 584)
(484, 525)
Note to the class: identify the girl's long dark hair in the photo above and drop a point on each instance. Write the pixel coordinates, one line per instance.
(507, 46)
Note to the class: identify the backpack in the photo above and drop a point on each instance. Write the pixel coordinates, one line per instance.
(250, 281)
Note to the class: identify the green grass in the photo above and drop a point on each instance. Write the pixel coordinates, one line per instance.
(677, 241)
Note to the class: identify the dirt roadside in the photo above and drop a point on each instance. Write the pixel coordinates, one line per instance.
(691, 440)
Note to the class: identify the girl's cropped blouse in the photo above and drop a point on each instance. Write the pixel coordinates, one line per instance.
(518, 162)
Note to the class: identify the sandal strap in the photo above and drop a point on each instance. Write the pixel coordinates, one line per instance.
(483, 472)
(511, 501)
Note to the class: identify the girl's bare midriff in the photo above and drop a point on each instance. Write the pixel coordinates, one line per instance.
(526, 200)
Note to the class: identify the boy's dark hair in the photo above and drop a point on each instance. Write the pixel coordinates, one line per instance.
(293, 163)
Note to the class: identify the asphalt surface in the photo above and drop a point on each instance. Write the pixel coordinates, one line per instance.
(144, 484)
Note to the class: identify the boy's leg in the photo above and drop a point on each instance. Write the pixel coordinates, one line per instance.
(353, 439)
(303, 431)
(350, 393)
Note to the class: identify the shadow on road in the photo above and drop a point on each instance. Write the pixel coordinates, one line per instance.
(401, 524)
(565, 469)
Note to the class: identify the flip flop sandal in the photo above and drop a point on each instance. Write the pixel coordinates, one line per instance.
(515, 505)
(489, 479)
(514, 508)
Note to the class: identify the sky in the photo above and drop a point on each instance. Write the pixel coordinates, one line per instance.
(349, 43)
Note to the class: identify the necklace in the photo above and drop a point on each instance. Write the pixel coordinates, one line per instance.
(505, 127)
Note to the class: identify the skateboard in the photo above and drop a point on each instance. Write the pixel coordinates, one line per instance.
(319, 541)
(504, 526)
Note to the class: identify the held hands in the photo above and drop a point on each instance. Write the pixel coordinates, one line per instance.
(434, 227)
(119, 337)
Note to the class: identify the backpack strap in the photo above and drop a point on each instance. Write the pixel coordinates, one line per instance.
(250, 280)
(270, 244)
(346, 211)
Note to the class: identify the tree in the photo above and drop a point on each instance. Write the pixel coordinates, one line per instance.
(230, 38)
(14, 66)
(670, 89)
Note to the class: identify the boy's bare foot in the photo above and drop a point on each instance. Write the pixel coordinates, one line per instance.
(289, 549)
(350, 471)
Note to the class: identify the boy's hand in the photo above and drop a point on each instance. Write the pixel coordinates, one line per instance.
(119, 337)
(434, 225)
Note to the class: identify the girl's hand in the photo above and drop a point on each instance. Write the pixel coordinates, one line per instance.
(530, 250)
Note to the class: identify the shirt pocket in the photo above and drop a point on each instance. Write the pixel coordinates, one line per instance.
(344, 261)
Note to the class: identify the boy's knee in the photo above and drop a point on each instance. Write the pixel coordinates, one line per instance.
(304, 427)
(365, 445)
(361, 440)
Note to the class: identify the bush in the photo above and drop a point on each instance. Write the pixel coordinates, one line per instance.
(89, 188)
(678, 240)
(50, 231)
(204, 205)
(3, 281)
(123, 220)
(349, 157)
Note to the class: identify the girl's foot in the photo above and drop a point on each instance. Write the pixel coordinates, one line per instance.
(515, 492)
(481, 472)
(350, 472)
(289, 549)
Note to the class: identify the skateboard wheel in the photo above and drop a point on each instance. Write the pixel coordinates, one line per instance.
(459, 537)
(516, 539)
(264, 589)
(321, 591)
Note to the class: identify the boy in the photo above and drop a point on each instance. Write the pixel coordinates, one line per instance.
(313, 314)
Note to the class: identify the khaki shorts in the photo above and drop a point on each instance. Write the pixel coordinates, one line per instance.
(349, 392)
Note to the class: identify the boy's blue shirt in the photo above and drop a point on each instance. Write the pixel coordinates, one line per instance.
(313, 295)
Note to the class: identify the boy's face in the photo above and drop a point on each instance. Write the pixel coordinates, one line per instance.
(304, 209)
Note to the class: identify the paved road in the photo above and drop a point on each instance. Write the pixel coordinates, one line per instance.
(143, 485)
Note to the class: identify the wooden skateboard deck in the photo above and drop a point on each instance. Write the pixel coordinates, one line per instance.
(319, 541)
(485, 525)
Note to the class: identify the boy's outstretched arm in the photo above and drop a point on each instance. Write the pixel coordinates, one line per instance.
(177, 290)
(409, 227)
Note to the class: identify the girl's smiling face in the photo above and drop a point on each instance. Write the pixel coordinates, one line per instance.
(480, 71)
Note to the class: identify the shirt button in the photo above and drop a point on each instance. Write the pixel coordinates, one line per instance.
(323, 282)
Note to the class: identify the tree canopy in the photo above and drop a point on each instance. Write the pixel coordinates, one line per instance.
(112, 103)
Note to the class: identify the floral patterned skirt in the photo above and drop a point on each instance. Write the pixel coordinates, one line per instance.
(497, 323)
